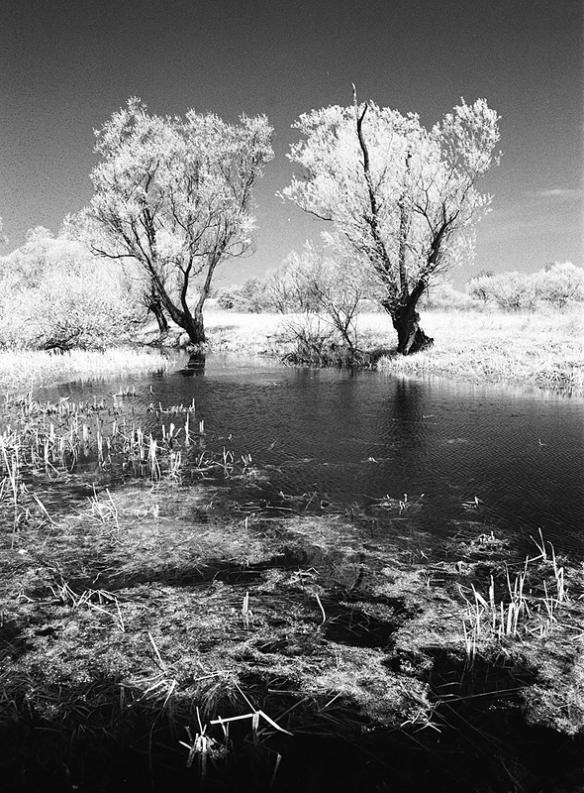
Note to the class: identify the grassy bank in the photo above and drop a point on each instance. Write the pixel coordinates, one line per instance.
(25, 370)
(522, 349)
(160, 634)
(543, 351)
(526, 349)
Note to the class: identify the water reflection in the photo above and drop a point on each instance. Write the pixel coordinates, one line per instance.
(195, 365)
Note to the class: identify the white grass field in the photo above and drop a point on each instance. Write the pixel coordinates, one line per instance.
(544, 350)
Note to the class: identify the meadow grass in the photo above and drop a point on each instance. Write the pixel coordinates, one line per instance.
(231, 331)
(541, 350)
(22, 371)
(535, 350)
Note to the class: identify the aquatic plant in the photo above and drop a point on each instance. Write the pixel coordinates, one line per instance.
(69, 437)
(154, 618)
(528, 605)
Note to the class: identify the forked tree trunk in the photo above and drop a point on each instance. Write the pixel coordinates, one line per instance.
(410, 336)
(156, 308)
(190, 321)
(194, 326)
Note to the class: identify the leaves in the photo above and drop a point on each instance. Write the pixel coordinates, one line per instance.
(399, 196)
(174, 194)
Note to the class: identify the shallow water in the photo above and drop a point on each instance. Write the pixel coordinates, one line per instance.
(354, 438)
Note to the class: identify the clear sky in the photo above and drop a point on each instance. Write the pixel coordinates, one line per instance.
(66, 65)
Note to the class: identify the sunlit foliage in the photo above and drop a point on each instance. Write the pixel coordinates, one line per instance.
(400, 197)
(54, 294)
(174, 194)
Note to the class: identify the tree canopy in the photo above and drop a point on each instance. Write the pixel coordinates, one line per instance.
(401, 197)
(174, 194)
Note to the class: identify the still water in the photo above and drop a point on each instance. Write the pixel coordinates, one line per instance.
(354, 438)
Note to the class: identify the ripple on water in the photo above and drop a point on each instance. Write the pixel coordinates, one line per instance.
(357, 437)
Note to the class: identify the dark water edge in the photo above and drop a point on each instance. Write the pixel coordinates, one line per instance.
(500, 755)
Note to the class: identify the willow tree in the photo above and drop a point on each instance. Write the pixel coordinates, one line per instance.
(174, 194)
(399, 196)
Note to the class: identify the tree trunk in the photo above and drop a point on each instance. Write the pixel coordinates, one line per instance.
(156, 308)
(194, 327)
(410, 336)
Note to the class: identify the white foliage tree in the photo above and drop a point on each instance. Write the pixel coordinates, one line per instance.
(174, 194)
(398, 196)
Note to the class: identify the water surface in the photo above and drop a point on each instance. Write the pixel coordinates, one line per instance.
(354, 438)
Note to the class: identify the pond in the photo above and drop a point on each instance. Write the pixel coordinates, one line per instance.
(333, 439)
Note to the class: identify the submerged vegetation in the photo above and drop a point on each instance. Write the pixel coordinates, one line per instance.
(162, 633)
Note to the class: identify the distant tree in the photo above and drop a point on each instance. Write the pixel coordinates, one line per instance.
(226, 297)
(560, 284)
(479, 287)
(444, 296)
(510, 291)
(251, 297)
(398, 196)
(174, 194)
(291, 285)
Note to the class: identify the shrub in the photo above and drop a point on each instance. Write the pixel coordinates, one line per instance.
(560, 284)
(226, 298)
(253, 297)
(445, 297)
(511, 291)
(55, 294)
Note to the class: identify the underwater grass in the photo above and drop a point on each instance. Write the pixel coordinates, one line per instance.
(147, 606)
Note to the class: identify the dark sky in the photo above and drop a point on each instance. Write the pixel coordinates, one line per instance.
(66, 65)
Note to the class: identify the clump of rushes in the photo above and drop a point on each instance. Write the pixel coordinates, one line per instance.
(67, 437)
(529, 603)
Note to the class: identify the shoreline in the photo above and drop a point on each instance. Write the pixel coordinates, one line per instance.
(545, 352)
(530, 351)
